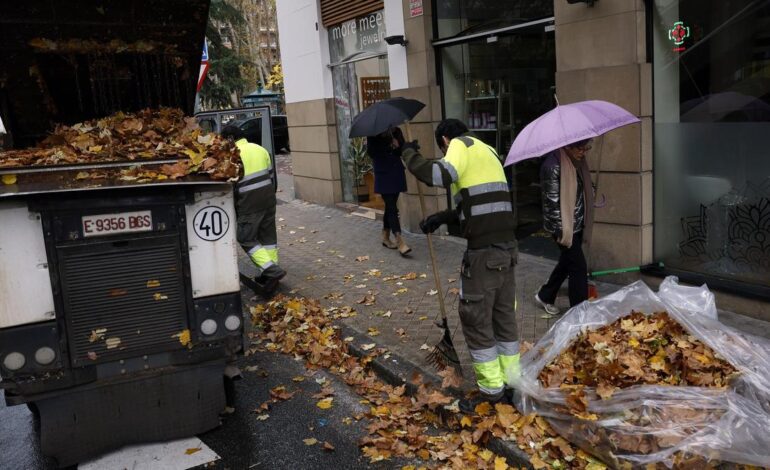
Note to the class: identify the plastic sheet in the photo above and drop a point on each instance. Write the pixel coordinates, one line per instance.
(649, 426)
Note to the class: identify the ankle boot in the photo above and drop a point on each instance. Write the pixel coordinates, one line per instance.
(403, 248)
(386, 242)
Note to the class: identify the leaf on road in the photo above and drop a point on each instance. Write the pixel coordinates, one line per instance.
(328, 446)
(362, 258)
(368, 347)
(454, 291)
(423, 318)
(311, 441)
(372, 331)
(432, 292)
(298, 378)
(401, 332)
(280, 393)
(361, 286)
(368, 299)
(424, 347)
(262, 417)
(450, 378)
(325, 404)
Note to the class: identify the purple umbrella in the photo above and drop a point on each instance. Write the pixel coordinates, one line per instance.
(566, 124)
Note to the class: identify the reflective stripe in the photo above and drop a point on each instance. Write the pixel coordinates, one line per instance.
(489, 376)
(438, 180)
(451, 169)
(487, 188)
(255, 175)
(508, 348)
(270, 247)
(254, 249)
(490, 390)
(254, 186)
(484, 355)
(491, 207)
(511, 368)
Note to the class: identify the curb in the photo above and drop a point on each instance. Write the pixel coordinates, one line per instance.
(397, 371)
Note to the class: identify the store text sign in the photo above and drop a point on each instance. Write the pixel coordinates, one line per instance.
(415, 8)
(363, 34)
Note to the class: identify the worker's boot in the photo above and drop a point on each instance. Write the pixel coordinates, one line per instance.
(386, 240)
(403, 248)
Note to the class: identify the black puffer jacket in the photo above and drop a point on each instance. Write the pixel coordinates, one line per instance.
(550, 182)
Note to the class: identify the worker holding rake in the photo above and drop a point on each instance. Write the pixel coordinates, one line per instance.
(472, 171)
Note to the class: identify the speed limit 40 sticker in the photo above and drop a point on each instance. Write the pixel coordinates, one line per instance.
(211, 223)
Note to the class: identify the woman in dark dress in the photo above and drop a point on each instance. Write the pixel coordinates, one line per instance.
(389, 181)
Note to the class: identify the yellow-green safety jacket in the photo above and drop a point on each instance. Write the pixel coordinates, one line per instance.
(255, 191)
(472, 171)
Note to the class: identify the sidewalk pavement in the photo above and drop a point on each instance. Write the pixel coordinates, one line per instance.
(337, 257)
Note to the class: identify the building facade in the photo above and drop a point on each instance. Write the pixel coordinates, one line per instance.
(687, 187)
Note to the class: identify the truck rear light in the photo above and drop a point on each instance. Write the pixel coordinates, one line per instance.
(14, 361)
(45, 356)
(232, 323)
(209, 327)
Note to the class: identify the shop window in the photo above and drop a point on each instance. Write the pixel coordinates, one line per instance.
(497, 88)
(712, 121)
(459, 17)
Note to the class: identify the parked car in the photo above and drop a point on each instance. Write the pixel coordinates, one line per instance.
(250, 122)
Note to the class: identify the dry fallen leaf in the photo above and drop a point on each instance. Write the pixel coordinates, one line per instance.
(368, 347)
(362, 258)
(311, 441)
(153, 283)
(192, 451)
(325, 403)
(328, 446)
(262, 417)
(112, 343)
(432, 292)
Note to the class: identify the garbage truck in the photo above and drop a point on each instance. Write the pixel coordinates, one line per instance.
(120, 303)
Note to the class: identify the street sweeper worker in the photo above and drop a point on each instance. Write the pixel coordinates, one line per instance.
(255, 209)
(472, 171)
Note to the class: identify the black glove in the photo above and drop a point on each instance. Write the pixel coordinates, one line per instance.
(410, 145)
(432, 222)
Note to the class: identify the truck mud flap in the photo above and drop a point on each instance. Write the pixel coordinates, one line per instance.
(83, 424)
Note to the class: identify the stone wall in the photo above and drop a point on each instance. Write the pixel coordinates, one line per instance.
(601, 54)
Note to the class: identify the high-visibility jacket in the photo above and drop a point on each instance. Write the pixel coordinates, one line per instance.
(472, 171)
(255, 191)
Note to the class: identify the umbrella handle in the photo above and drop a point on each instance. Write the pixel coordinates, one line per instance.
(433, 263)
(601, 203)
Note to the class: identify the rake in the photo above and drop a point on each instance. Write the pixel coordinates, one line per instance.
(443, 354)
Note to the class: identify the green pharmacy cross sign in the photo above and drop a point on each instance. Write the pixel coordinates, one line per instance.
(678, 34)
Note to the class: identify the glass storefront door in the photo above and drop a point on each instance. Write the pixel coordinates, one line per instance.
(712, 121)
(356, 85)
(497, 88)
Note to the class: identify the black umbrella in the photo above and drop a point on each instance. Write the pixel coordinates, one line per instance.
(383, 115)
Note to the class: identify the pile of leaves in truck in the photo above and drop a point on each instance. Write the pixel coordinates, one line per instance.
(143, 137)
(401, 424)
(634, 350)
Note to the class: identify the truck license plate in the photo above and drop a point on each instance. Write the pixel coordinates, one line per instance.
(111, 224)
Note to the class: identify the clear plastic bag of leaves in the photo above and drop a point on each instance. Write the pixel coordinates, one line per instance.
(658, 426)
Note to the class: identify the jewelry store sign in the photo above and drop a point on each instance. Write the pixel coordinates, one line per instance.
(365, 34)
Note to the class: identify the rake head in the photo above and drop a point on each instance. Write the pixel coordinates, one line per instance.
(444, 354)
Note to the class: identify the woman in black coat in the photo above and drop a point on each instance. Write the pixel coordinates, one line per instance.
(389, 181)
